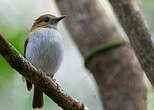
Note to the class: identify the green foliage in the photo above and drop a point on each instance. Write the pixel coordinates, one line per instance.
(16, 36)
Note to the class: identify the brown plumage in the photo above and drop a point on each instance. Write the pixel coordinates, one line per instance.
(39, 22)
(41, 18)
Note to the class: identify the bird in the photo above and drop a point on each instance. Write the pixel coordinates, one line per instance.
(44, 49)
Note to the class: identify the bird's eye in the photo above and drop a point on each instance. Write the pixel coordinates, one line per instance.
(46, 19)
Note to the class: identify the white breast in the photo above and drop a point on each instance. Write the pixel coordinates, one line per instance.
(45, 50)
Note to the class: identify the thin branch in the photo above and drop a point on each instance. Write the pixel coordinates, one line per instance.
(137, 30)
(45, 83)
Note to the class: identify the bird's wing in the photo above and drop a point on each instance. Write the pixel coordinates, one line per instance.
(25, 45)
(29, 85)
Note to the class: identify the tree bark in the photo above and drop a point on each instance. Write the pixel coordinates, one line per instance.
(137, 30)
(117, 71)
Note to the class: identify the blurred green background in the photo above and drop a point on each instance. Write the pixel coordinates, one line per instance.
(16, 18)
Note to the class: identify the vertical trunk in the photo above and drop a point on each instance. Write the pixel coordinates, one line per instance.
(137, 30)
(117, 71)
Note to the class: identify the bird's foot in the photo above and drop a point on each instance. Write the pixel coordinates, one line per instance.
(41, 72)
(50, 75)
(53, 80)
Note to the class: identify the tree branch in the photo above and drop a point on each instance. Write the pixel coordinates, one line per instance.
(137, 30)
(45, 83)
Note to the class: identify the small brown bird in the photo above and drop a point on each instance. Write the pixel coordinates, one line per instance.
(44, 48)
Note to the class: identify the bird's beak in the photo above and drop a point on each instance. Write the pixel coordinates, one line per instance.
(57, 19)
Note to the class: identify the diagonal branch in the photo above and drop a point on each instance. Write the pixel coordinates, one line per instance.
(46, 84)
(137, 30)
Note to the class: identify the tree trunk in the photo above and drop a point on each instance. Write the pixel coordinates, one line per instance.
(117, 71)
(138, 33)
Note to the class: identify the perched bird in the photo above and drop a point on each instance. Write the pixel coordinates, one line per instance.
(44, 48)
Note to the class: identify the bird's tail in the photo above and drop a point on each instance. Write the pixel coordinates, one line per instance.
(37, 98)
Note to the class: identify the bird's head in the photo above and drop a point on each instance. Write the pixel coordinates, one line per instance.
(46, 21)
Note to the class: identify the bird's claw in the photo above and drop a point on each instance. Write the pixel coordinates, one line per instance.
(41, 72)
